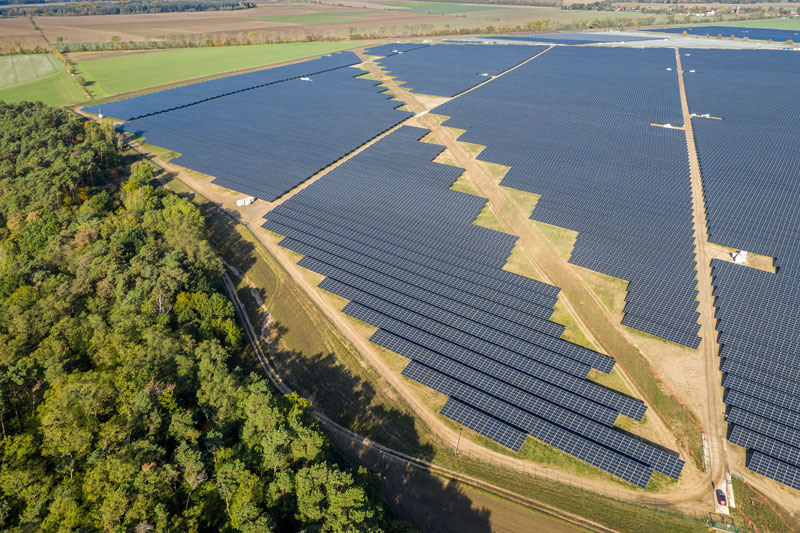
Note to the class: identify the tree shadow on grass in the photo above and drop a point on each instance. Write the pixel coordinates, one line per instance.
(427, 502)
(414, 494)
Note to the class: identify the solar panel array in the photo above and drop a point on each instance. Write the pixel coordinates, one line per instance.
(573, 38)
(265, 141)
(575, 127)
(450, 69)
(750, 165)
(757, 34)
(392, 238)
(186, 95)
(391, 49)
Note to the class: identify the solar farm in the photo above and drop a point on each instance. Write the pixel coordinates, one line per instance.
(352, 176)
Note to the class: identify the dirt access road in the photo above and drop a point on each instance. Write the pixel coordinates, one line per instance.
(718, 467)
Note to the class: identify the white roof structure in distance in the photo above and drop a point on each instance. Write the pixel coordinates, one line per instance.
(245, 201)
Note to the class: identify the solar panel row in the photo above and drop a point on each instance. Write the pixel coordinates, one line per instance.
(574, 126)
(758, 34)
(391, 49)
(450, 69)
(178, 97)
(265, 141)
(573, 38)
(750, 165)
(386, 230)
(586, 449)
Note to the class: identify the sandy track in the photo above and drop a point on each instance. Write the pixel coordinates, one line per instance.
(714, 420)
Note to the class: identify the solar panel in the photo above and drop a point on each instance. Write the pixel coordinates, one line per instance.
(265, 141)
(186, 95)
(450, 69)
(571, 38)
(503, 434)
(775, 469)
(574, 125)
(738, 32)
(750, 166)
(381, 229)
(578, 445)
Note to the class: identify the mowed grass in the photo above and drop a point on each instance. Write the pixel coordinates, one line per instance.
(56, 89)
(135, 72)
(15, 70)
(437, 8)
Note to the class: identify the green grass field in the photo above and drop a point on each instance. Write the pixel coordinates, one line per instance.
(127, 73)
(56, 89)
(438, 8)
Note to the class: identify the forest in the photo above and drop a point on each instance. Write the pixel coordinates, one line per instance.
(126, 400)
(132, 7)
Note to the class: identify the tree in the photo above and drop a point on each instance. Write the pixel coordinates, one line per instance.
(125, 402)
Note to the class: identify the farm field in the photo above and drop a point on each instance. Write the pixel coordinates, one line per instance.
(115, 75)
(57, 89)
(18, 69)
(37, 77)
(293, 21)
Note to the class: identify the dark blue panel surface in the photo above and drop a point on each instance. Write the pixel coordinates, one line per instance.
(186, 95)
(574, 125)
(391, 49)
(573, 38)
(392, 238)
(750, 166)
(449, 69)
(265, 141)
(756, 34)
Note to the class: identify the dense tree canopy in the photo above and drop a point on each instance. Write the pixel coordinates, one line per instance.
(132, 7)
(123, 402)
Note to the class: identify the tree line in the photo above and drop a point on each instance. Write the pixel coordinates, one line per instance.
(131, 7)
(126, 400)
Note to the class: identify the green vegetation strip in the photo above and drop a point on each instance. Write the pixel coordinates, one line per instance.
(623, 516)
(126, 73)
(441, 8)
